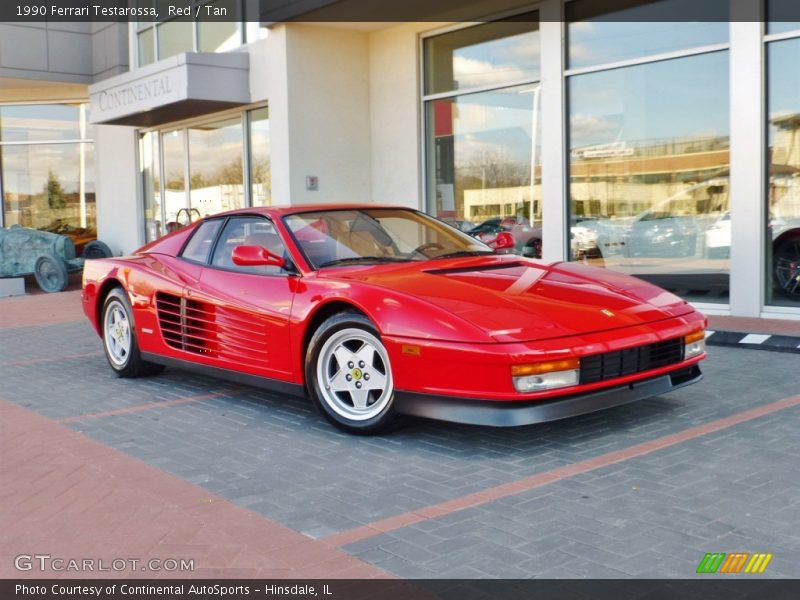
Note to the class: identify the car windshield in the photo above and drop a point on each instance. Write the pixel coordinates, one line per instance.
(333, 238)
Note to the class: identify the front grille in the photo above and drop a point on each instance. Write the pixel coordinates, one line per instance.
(599, 367)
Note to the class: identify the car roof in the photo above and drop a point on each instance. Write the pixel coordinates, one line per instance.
(280, 211)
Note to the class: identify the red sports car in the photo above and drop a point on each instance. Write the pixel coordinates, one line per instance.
(376, 311)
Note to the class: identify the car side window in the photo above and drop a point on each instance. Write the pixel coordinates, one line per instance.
(247, 231)
(202, 239)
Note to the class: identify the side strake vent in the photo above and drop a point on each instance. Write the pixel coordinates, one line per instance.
(202, 328)
(169, 312)
(187, 324)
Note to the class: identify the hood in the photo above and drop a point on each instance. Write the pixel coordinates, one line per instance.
(513, 299)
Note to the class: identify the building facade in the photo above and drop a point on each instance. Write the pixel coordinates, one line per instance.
(668, 150)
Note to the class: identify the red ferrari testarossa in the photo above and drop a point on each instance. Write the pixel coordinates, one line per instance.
(376, 311)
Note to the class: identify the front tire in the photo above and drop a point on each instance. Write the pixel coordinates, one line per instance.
(349, 375)
(119, 338)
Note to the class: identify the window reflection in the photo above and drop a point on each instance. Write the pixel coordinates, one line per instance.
(638, 29)
(260, 172)
(213, 32)
(219, 36)
(483, 151)
(174, 37)
(173, 146)
(783, 209)
(41, 122)
(492, 54)
(49, 186)
(215, 167)
(649, 167)
(212, 155)
(147, 49)
(151, 170)
(782, 16)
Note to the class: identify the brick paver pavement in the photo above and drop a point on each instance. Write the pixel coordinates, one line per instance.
(401, 504)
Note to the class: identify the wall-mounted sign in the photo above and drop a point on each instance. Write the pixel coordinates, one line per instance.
(130, 94)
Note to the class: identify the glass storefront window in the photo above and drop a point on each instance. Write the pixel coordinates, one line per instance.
(483, 152)
(483, 145)
(198, 170)
(638, 29)
(174, 149)
(147, 48)
(260, 172)
(219, 36)
(174, 37)
(41, 122)
(783, 159)
(216, 176)
(190, 35)
(151, 170)
(47, 168)
(49, 186)
(649, 172)
(500, 52)
(783, 16)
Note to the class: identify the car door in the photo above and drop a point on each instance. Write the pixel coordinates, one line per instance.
(240, 315)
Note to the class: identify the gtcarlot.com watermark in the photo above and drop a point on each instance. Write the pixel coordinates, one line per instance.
(49, 563)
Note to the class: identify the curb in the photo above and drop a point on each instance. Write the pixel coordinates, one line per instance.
(754, 341)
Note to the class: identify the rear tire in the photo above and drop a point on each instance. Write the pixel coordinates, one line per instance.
(349, 375)
(96, 249)
(119, 338)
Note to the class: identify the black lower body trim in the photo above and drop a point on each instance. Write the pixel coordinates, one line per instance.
(273, 385)
(498, 413)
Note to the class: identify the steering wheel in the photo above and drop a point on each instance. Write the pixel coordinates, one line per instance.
(419, 249)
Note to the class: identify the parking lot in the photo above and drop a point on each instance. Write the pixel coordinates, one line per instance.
(250, 483)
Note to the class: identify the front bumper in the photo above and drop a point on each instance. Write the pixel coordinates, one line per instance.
(511, 414)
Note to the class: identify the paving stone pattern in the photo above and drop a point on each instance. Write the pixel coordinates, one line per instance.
(649, 516)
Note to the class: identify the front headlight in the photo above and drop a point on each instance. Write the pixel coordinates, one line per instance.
(546, 375)
(694, 344)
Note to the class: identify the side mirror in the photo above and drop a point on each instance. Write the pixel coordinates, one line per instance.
(255, 256)
(503, 241)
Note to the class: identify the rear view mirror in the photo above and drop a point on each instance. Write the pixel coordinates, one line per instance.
(503, 241)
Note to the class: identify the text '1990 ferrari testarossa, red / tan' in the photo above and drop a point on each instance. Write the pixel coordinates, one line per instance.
(378, 311)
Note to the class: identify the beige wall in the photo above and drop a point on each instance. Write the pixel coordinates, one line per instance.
(395, 119)
(327, 96)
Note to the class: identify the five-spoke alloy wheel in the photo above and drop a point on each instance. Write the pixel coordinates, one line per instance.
(119, 337)
(349, 375)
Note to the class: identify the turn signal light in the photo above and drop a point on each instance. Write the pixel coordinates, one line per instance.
(546, 375)
(566, 364)
(695, 336)
(695, 344)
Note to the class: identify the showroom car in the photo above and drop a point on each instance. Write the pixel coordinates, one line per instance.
(376, 312)
(49, 257)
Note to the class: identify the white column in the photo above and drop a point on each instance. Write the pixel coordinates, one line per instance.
(554, 192)
(747, 187)
(117, 183)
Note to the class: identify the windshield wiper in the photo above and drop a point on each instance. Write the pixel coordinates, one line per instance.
(354, 260)
(458, 253)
